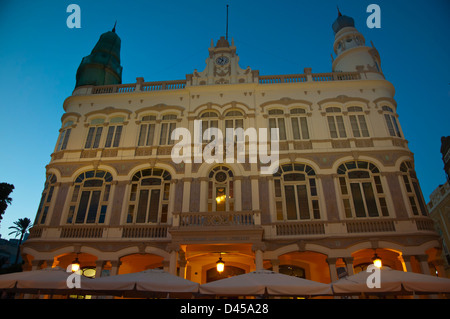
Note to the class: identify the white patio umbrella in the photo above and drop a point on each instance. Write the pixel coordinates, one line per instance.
(48, 280)
(151, 282)
(391, 282)
(267, 282)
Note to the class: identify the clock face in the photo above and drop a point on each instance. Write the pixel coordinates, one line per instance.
(222, 60)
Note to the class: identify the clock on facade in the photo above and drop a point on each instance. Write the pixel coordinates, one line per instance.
(222, 60)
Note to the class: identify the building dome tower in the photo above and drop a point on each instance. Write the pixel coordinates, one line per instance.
(102, 66)
(351, 50)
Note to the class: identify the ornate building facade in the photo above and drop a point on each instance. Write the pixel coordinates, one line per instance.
(345, 188)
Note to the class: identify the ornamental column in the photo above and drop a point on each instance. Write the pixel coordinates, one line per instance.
(423, 260)
(332, 265)
(259, 249)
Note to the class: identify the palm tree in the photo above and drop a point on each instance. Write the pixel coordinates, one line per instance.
(20, 228)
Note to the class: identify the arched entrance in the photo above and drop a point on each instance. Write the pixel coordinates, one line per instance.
(139, 262)
(307, 264)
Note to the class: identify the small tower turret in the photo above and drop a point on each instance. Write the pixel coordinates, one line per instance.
(102, 66)
(351, 50)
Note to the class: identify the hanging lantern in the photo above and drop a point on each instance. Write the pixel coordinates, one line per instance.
(377, 261)
(76, 265)
(220, 265)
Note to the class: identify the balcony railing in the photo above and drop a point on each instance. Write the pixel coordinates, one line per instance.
(212, 219)
(141, 86)
(190, 221)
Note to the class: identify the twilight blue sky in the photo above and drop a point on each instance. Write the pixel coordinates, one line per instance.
(165, 40)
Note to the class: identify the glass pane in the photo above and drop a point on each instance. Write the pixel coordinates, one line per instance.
(316, 210)
(332, 127)
(164, 210)
(70, 215)
(98, 134)
(163, 137)
(419, 198)
(117, 136)
(277, 188)
(133, 192)
(312, 187)
(166, 191)
(61, 138)
(82, 207)
(295, 128)
(220, 199)
(44, 215)
(407, 185)
(142, 135)
(151, 134)
(50, 194)
(397, 130)
(291, 210)
(279, 206)
(370, 199)
(358, 200)
(93, 207)
(413, 205)
(347, 208)
(66, 139)
(172, 126)
(378, 184)
(150, 181)
(101, 218)
(389, 125)
(343, 185)
(109, 136)
(154, 206)
(303, 204)
(89, 137)
(142, 206)
(383, 205)
(354, 125)
(341, 127)
(76, 190)
(304, 126)
(130, 214)
(282, 129)
(363, 125)
(106, 194)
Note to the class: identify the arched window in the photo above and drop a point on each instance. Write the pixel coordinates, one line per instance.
(46, 198)
(296, 196)
(391, 121)
(149, 197)
(299, 124)
(220, 190)
(361, 190)
(147, 130)
(276, 120)
(412, 189)
(358, 122)
(90, 198)
(335, 123)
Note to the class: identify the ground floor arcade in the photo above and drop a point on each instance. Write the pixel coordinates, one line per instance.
(197, 261)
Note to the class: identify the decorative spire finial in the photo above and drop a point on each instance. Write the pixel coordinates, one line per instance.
(339, 12)
(114, 28)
